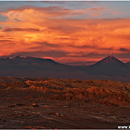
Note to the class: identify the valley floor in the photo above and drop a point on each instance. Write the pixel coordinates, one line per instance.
(58, 114)
(63, 104)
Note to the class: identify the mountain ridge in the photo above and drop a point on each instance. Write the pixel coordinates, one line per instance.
(107, 68)
(107, 59)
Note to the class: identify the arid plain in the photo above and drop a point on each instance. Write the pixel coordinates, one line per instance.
(63, 103)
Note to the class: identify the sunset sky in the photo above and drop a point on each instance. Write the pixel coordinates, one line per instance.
(67, 32)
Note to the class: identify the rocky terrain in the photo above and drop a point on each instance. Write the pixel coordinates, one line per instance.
(63, 103)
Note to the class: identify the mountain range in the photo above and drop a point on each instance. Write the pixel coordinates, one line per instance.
(109, 68)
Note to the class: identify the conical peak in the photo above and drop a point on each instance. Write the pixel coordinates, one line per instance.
(111, 56)
(110, 60)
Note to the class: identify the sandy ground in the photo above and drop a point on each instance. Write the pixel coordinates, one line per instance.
(63, 104)
(18, 113)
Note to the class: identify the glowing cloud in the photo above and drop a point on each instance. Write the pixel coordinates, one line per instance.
(50, 29)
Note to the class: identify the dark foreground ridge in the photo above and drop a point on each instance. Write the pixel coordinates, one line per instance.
(109, 68)
(63, 103)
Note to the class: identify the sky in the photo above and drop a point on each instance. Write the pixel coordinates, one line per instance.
(75, 33)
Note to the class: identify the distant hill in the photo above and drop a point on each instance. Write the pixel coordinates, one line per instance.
(109, 68)
(110, 61)
(37, 67)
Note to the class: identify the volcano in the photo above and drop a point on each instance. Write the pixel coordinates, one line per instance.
(110, 62)
(109, 66)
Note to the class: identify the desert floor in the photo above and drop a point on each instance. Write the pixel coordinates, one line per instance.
(55, 103)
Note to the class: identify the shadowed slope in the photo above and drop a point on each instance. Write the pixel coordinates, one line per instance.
(37, 67)
(109, 66)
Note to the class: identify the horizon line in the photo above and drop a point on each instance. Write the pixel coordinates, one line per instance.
(67, 63)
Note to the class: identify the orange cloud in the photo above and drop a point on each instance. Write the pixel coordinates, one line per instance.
(27, 29)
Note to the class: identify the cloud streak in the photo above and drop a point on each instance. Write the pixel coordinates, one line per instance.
(21, 29)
